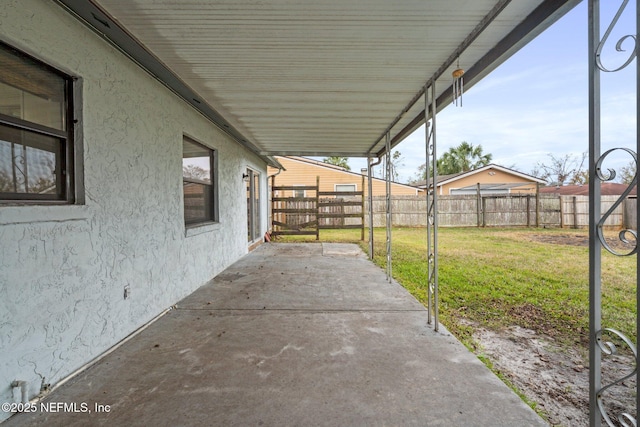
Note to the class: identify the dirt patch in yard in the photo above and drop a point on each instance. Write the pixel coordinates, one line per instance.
(612, 238)
(554, 377)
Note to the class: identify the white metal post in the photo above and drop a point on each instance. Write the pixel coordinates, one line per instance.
(388, 207)
(370, 198)
(432, 204)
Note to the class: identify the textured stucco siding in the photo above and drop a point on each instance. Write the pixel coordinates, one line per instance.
(63, 269)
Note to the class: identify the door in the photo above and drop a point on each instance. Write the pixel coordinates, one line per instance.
(253, 205)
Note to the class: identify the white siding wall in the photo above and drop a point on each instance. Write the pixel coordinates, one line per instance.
(63, 269)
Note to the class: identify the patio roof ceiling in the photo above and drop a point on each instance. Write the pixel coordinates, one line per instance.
(327, 77)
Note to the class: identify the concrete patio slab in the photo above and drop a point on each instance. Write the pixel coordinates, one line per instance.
(290, 335)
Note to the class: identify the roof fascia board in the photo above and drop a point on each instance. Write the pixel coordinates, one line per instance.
(486, 168)
(314, 154)
(518, 174)
(534, 24)
(300, 159)
(509, 171)
(98, 20)
(496, 186)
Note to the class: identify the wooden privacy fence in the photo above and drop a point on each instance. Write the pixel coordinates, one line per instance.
(316, 210)
(502, 211)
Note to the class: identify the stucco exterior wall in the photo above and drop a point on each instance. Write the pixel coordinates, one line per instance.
(63, 269)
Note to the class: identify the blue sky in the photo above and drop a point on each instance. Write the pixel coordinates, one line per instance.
(536, 103)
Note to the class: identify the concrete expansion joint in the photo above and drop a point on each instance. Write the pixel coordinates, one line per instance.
(300, 310)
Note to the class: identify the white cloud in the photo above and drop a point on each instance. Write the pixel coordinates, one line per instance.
(535, 104)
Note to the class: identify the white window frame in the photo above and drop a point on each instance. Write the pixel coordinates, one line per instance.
(63, 190)
(335, 187)
(210, 186)
(304, 192)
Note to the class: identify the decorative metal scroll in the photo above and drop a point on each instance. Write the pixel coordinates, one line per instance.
(608, 348)
(619, 44)
(600, 347)
(432, 204)
(624, 234)
(19, 168)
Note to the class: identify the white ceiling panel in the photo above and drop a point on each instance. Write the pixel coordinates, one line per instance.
(322, 77)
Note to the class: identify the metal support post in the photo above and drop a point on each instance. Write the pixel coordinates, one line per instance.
(595, 252)
(370, 198)
(388, 206)
(601, 338)
(432, 204)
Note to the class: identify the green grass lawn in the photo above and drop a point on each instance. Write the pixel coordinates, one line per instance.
(494, 277)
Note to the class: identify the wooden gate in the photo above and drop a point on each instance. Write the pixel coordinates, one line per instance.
(341, 210)
(296, 215)
(309, 210)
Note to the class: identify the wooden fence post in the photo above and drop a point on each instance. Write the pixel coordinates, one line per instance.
(479, 204)
(484, 211)
(575, 211)
(537, 204)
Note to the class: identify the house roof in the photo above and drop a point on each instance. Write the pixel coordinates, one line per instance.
(448, 179)
(316, 163)
(487, 188)
(606, 189)
(323, 77)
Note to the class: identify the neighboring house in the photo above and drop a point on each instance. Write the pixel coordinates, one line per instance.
(606, 189)
(491, 179)
(301, 171)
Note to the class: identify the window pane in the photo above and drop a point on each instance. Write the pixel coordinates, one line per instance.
(31, 91)
(196, 162)
(28, 163)
(197, 203)
(345, 187)
(298, 193)
(198, 180)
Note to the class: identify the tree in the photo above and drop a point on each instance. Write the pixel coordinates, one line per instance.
(43, 185)
(6, 183)
(396, 159)
(463, 158)
(396, 163)
(420, 175)
(581, 177)
(343, 162)
(627, 173)
(567, 169)
(195, 172)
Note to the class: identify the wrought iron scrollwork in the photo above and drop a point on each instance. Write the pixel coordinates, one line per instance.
(628, 237)
(609, 176)
(609, 348)
(432, 203)
(619, 44)
(600, 347)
